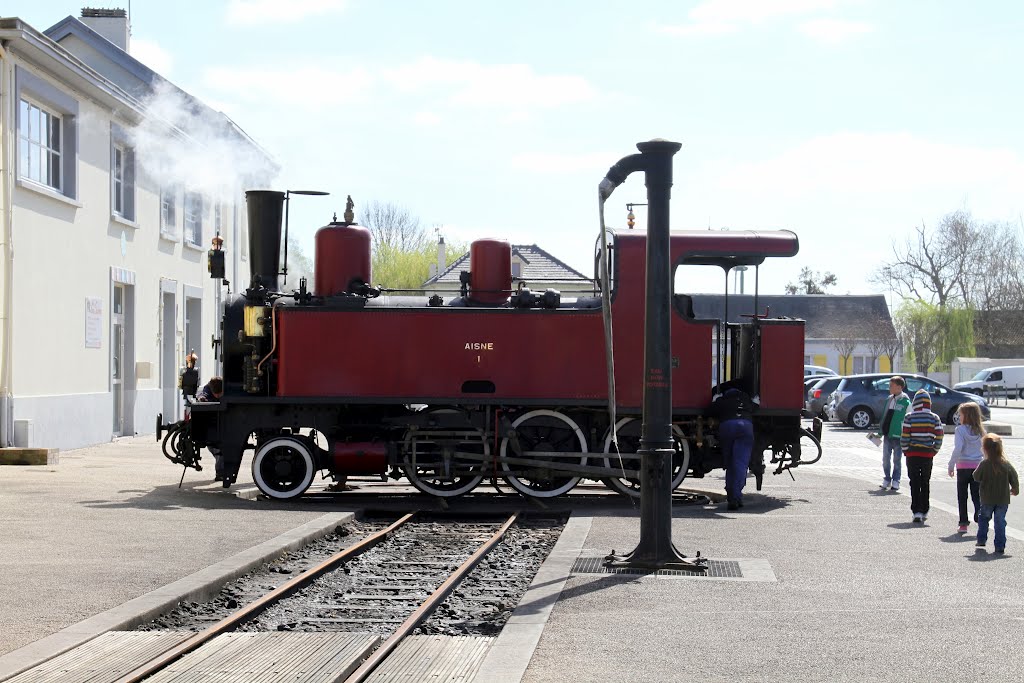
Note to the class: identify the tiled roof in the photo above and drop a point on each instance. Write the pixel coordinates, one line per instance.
(537, 265)
(827, 316)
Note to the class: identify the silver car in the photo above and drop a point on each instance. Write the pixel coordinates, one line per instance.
(859, 400)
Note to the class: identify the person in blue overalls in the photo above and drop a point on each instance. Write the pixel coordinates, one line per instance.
(733, 409)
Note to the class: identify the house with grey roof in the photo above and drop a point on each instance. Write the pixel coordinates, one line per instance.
(832, 322)
(532, 266)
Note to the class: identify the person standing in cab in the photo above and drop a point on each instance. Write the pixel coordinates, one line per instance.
(891, 430)
(734, 411)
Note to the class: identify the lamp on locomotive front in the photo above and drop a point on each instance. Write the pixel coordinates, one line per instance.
(342, 259)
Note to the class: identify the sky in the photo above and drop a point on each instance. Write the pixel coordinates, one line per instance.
(849, 122)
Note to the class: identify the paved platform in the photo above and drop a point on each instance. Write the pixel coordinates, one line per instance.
(109, 524)
(824, 578)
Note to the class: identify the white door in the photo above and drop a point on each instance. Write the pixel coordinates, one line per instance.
(117, 357)
(168, 359)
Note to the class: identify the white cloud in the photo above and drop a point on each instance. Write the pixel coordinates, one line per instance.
(833, 31)
(250, 12)
(754, 11)
(152, 55)
(426, 118)
(515, 86)
(719, 17)
(862, 164)
(312, 86)
(543, 162)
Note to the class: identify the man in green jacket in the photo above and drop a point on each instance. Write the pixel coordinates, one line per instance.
(890, 429)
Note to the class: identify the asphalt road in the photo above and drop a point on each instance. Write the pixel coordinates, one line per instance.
(943, 488)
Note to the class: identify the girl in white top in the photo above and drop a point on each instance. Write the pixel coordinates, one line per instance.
(965, 459)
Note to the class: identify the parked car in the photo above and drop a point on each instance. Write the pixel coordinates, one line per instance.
(1007, 380)
(859, 400)
(818, 394)
(811, 370)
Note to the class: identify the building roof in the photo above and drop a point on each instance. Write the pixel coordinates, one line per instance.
(537, 265)
(827, 316)
(134, 77)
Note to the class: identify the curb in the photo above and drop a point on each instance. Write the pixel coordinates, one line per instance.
(200, 585)
(510, 654)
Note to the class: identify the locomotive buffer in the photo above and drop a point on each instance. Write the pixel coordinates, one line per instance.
(655, 549)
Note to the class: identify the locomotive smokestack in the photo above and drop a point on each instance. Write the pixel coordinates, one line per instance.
(264, 208)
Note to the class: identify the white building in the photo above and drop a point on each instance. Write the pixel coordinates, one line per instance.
(104, 286)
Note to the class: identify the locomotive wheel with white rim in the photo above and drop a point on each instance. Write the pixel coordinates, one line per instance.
(546, 431)
(629, 432)
(430, 462)
(283, 467)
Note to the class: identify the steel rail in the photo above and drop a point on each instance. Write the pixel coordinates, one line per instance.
(227, 623)
(428, 606)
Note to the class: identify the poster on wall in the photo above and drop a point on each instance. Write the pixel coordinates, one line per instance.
(93, 322)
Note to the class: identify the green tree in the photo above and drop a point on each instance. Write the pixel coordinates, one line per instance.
(812, 282)
(934, 335)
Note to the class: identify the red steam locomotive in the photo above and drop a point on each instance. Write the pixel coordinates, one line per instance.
(492, 381)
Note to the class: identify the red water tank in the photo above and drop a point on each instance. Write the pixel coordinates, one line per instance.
(490, 271)
(342, 255)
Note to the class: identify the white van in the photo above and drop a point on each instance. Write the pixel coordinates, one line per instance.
(1004, 381)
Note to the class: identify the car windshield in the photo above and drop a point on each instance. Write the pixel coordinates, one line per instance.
(981, 375)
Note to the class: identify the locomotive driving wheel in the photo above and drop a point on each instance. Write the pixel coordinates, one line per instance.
(283, 467)
(431, 462)
(544, 431)
(629, 432)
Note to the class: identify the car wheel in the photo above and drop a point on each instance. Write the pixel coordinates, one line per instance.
(860, 418)
(954, 416)
(1020, 394)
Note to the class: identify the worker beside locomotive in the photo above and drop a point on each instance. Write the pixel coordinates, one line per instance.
(489, 381)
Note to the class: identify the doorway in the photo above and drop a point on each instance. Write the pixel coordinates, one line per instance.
(168, 364)
(117, 356)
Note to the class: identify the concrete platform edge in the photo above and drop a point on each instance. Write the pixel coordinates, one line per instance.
(510, 654)
(200, 585)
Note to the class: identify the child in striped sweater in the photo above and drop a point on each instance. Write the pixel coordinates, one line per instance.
(921, 440)
(965, 459)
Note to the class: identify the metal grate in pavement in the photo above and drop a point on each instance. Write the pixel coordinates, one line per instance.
(717, 569)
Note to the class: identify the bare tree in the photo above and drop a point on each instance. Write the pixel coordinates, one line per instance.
(811, 282)
(393, 228)
(883, 340)
(845, 342)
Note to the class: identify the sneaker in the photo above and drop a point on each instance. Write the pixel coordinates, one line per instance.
(895, 486)
(962, 528)
(980, 544)
(733, 505)
(918, 519)
(886, 483)
(1000, 550)
(924, 517)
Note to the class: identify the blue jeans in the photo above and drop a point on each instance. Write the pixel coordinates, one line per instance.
(891, 447)
(986, 513)
(737, 438)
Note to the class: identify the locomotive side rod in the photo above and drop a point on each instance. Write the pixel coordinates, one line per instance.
(178, 651)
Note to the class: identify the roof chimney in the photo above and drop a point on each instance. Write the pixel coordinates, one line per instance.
(112, 24)
(442, 262)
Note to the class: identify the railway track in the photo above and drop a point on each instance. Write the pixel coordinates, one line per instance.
(339, 620)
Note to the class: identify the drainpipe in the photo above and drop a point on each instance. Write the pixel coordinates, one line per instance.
(7, 131)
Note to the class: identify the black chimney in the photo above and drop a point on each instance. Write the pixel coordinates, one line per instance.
(264, 208)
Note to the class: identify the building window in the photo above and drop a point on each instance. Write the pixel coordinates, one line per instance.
(193, 210)
(217, 219)
(169, 212)
(243, 233)
(117, 175)
(807, 360)
(863, 364)
(517, 269)
(40, 144)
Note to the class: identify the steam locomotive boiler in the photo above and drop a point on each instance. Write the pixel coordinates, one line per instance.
(491, 381)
